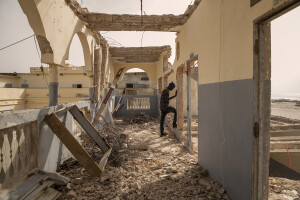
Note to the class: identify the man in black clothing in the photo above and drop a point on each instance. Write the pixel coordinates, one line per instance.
(165, 108)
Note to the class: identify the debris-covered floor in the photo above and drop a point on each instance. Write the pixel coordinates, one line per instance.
(284, 189)
(142, 166)
(146, 166)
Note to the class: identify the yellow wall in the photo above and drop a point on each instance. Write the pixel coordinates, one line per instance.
(67, 77)
(36, 98)
(12, 98)
(8, 80)
(37, 95)
(19, 98)
(221, 33)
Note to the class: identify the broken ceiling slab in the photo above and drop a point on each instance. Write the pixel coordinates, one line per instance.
(108, 22)
(138, 54)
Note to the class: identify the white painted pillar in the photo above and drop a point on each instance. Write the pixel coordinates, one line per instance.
(53, 85)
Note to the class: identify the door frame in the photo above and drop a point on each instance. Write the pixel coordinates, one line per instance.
(262, 96)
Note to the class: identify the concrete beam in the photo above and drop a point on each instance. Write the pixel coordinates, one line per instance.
(108, 22)
(139, 54)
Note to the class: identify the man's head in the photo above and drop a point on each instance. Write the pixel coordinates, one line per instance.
(171, 86)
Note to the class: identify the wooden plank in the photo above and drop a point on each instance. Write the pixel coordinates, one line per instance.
(104, 159)
(57, 178)
(253, 2)
(102, 107)
(103, 104)
(49, 194)
(118, 75)
(23, 189)
(72, 144)
(62, 111)
(39, 190)
(88, 127)
(119, 102)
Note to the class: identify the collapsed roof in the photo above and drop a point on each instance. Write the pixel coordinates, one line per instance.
(108, 22)
(138, 54)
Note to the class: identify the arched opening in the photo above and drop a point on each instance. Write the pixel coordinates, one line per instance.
(136, 93)
(79, 52)
(76, 54)
(136, 81)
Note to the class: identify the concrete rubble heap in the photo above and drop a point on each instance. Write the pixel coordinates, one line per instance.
(108, 22)
(150, 167)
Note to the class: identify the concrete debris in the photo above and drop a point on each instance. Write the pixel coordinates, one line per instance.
(77, 181)
(35, 186)
(71, 194)
(164, 171)
(281, 188)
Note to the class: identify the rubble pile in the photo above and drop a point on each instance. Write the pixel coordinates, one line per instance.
(151, 167)
(284, 189)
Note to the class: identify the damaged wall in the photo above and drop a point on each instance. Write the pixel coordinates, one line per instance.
(221, 34)
(55, 25)
(51, 151)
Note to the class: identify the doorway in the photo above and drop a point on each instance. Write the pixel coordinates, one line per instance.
(262, 98)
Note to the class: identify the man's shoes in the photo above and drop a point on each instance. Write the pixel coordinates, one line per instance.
(163, 134)
(174, 125)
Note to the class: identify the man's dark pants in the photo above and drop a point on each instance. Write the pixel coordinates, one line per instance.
(164, 112)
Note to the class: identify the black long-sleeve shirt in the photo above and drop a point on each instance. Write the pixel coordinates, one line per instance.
(164, 99)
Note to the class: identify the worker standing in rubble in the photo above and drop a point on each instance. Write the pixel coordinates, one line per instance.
(165, 108)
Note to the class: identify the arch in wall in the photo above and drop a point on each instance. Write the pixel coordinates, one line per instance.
(86, 50)
(143, 79)
(35, 21)
(146, 69)
(55, 24)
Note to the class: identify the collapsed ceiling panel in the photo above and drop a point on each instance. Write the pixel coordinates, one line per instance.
(108, 22)
(138, 54)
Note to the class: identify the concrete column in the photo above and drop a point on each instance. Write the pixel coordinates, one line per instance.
(97, 72)
(91, 89)
(53, 85)
(104, 64)
(179, 99)
(166, 84)
(165, 63)
(189, 113)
